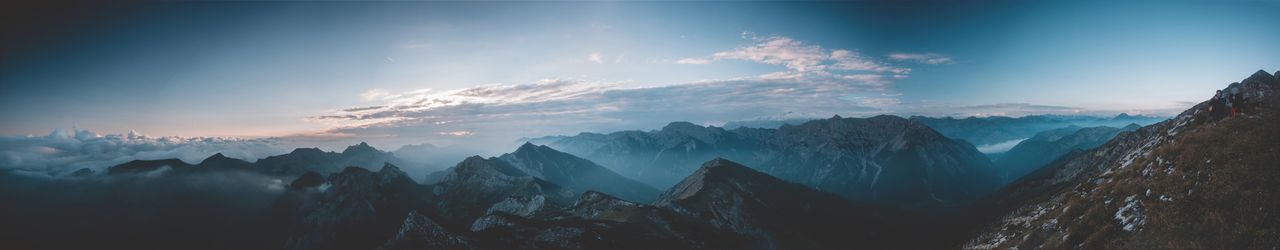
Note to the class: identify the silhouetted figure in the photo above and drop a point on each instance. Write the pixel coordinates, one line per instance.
(1237, 100)
(1217, 106)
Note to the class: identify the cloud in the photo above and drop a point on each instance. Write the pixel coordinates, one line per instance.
(456, 133)
(373, 94)
(595, 57)
(693, 61)
(999, 147)
(798, 56)
(815, 81)
(506, 112)
(61, 152)
(927, 58)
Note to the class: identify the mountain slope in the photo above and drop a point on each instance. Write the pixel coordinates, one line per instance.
(1194, 181)
(575, 174)
(882, 159)
(774, 213)
(1035, 152)
(479, 186)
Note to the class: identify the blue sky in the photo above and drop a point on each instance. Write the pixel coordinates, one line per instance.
(503, 70)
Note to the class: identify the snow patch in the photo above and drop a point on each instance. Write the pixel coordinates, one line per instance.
(1131, 215)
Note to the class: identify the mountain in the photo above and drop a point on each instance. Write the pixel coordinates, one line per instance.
(883, 159)
(479, 186)
(358, 209)
(576, 174)
(660, 157)
(149, 166)
(219, 161)
(301, 160)
(723, 205)
(1046, 146)
(994, 130)
(774, 213)
(1195, 181)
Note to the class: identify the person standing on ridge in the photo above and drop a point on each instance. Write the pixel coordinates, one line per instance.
(1217, 107)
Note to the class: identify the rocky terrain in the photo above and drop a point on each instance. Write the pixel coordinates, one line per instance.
(1193, 181)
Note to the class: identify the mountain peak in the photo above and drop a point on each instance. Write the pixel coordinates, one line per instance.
(222, 161)
(528, 147)
(217, 156)
(681, 126)
(1262, 77)
(722, 163)
(717, 170)
(359, 148)
(307, 151)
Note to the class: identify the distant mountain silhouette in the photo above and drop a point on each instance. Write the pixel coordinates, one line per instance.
(880, 159)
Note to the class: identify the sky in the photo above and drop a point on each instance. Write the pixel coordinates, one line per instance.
(488, 73)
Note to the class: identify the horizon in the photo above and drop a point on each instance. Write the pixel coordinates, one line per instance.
(450, 73)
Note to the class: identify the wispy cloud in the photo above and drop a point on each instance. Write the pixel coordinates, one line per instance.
(693, 61)
(595, 57)
(816, 80)
(798, 56)
(927, 58)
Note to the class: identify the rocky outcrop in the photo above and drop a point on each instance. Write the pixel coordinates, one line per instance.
(421, 232)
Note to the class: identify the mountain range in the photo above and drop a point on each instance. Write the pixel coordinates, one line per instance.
(1033, 153)
(883, 159)
(1198, 180)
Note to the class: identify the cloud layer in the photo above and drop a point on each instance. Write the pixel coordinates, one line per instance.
(61, 152)
(814, 81)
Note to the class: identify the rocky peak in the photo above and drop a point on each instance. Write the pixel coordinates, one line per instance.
(306, 151)
(529, 148)
(716, 170)
(392, 174)
(307, 180)
(1262, 77)
(362, 148)
(421, 232)
(221, 161)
